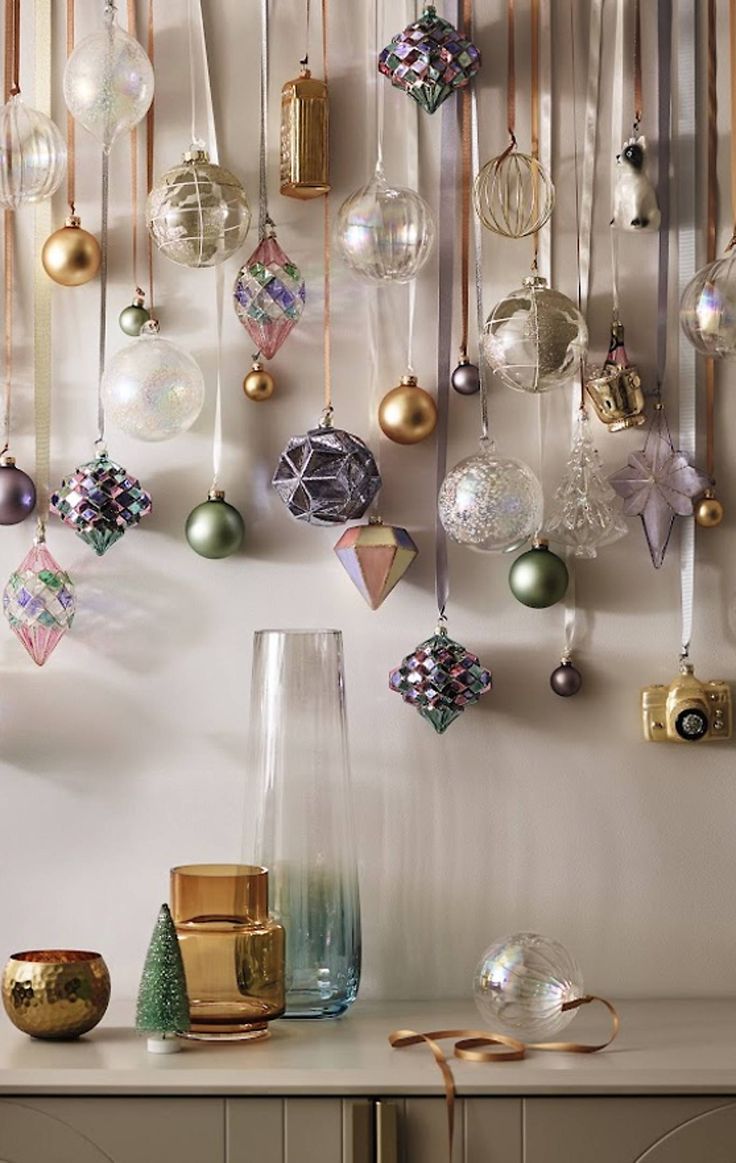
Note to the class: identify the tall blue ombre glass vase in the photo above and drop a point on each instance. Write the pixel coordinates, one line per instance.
(304, 824)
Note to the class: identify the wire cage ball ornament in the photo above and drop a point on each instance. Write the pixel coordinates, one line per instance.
(385, 233)
(513, 194)
(32, 155)
(489, 502)
(197, 213)
(535, 338)
(708, 307)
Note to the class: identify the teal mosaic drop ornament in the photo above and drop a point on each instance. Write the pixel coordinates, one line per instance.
(100, 500)
(429, 60)
(440, 678)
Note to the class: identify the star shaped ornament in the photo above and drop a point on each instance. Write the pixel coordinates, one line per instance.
(659, 484)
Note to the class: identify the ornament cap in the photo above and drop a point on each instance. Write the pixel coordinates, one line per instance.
(7, 461)
(197, 154)
(536, 282)
(216, 495)
(376, 519)
(409, 381)
(540, 543)
(256, 366)
(686, 667)
(73, 221)
(139, 299)
(150, 327)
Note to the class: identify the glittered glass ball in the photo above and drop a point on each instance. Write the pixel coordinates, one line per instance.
(521, 984)
(385, 233)
(513, 195)
(32, 155)
(197, 213)
(108, 82)
(708, 309)
(153, 389)
(535, 338)
(490, 502)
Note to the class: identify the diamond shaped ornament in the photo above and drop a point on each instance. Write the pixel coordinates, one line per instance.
(100, 500)
(440, 679)
(327, 477)
(269, 296)
(38, 602)
(375, 557)
(429, 60)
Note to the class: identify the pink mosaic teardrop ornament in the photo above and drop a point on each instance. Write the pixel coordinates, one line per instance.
(269, 296)
(39, 603)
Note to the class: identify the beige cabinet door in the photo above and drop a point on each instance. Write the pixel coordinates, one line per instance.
(487, 1130)
(289, 1130)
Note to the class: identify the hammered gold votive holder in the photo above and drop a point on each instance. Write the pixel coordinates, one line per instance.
(55, 993)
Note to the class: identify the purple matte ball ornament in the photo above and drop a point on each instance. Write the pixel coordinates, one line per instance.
(17, 492)
(466, 378)
(566, 680)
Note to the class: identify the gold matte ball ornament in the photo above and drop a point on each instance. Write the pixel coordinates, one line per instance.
(71, 256)
(709, 511)
(407, 414)
(258, 384)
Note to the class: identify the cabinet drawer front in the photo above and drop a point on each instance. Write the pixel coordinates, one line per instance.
(289, 1130)
(487, 1130)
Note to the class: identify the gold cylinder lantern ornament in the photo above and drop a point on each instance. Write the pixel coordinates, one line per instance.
(305, 138)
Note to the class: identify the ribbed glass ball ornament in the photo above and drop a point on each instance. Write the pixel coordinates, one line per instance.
(489, 502)
(521, 984)
(153, 389)
(385, 233)
(513, 195)
(197, 213)
(535, 338)
(708, 309)
(32, 155)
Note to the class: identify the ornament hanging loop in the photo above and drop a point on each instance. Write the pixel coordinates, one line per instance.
(325, 420)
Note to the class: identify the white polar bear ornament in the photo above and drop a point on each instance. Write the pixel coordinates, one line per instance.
(635, 202)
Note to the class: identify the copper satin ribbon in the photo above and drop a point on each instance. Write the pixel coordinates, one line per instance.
(473, 1046)
(638, 95)
(71, 169)
(327, 346)
(150, 119)
(133, 31)
(11, 86)
(535, 106)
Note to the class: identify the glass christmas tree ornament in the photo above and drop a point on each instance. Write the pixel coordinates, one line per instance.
(522, 984)
(32, 155)
(269, 296)
(440, 679)
(535, 338)
(327, 477)
(429, 60)
(489, 502)
(17, 492)
(197, 213)
(586, 512)
(100, 501)
(708, 308)
(513, 195)
(152, 389)
(38, 602)
(375, 557)
(384, 233)
(615, 389)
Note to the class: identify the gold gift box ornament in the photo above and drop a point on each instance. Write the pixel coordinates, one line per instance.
(615, 388)
(305, 137)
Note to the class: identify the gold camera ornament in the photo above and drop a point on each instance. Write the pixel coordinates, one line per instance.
(687, 710)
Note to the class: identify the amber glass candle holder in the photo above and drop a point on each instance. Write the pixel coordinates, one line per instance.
(233, 952)
(55, 993)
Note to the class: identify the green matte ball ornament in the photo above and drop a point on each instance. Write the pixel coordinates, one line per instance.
(539, 578)
(215, 528)
(132, 318)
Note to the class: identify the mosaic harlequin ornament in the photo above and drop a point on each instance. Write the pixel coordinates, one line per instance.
(375, 557)
(327, 476)
(429, 60)
(269, 296)
(440, 678)
(38, 602)
(658, 484)
(100, 500)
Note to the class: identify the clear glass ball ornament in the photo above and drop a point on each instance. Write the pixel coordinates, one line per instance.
(32, 155)
(535, 338)
(152, 389)
(489, 502)
(108, 82)
(197, 213)
(708, 308)
(521, 984)
(385, 233)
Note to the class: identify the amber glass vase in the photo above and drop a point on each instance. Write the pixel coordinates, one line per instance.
(233, 953)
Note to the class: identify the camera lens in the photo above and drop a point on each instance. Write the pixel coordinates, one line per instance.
(691, 724)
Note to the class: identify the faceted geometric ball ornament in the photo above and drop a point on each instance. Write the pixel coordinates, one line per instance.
(100, 500)
(522, 983)
(39, 603)
(440, 679)
(327, 477)
(375, 557)
(429, 60)
(269, 296)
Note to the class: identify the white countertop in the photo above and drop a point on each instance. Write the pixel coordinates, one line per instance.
(665, 1047)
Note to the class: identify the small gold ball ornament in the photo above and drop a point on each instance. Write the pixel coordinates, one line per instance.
(258, 384)
(71, 256)
(407, 414)
(709, 511)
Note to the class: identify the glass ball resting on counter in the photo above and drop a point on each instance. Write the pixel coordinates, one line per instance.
(523, 982)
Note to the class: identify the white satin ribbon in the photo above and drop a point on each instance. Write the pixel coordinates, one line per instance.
(617, 137)
(42, 285)
(544, 254)
(480, 314)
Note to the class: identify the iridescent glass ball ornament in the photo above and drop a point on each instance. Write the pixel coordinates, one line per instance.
(490, 502)
(17, 492)
(513, 195)
(327, 476)
(215, 528)
(384, 233)
(522, 984)
(197, 213)
(429, 60)
(269, 296)
(32, 155)
(535, 338)
(39, 603)
(100, 500)
(708, 308)
(152, 389)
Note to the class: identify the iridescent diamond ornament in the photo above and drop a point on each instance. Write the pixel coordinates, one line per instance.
(100, 500)
(440, 678)
(586, 513)
(269, 296)
(38, 602)
(375, 557)
(429, 60)
(327, 476)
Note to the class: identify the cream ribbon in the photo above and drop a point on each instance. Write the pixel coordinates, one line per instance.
(42, 286)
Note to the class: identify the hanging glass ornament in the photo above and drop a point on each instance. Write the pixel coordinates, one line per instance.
(152, 389)
(490, 502)
(407, 414)
(17, 492)
(522, 984)
(384, 233)
(440, 679)
(539, 578)
(71, 256)
(566, 680)
(615, 389)
(465, 379)
(100, 501)
(709, 511)
(197, 213)
(635, 204)
(513, 194)
(586, 512)
(375, 557)
(327, 476)
(708, 308)
(38, 602)
(535, 338)
(258, 384)
(32, 155)
(305, 137)
(215, 528)
(269, 296)
(429, 60)
(132, 317)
